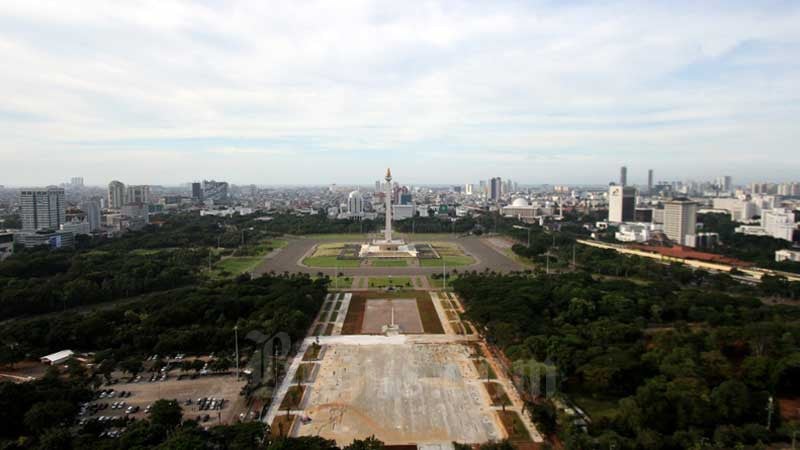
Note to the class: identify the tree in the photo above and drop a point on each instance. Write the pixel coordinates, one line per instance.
(544, 415)
(55, 439)
(166, 413)
(731, 400)
(303, 443)
(370, 443)
(48, 414)
(131, 365)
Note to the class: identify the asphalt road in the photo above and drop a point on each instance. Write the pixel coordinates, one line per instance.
(487, 257)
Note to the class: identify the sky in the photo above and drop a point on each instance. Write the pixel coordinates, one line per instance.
(309, 92)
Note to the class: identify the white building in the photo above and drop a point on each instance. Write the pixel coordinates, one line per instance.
(521, 209)
(42, 208)
(116, 194)
(741, 210)
(139, 194)
(355, 204)
(680, 221)
(787, 255)
(621, 204)
(57, 358)
(77, 228)
(779, 223)
(6, 245)
(634, 232)
(400, 212)
(92, 210)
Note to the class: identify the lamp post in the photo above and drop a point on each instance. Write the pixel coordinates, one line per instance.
(520, 227)
(236, 340)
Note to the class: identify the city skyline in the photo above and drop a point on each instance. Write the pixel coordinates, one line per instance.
(166, 92)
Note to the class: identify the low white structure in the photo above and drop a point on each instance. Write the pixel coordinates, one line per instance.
(57, 358)
(776, 223)
(633, 232)
(787, 255)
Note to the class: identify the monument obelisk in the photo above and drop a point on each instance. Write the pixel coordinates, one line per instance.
(388, 231)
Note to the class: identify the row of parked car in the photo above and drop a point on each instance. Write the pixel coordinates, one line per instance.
(111, 393)
(206, 403)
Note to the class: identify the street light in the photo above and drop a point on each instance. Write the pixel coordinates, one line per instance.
(520, 227)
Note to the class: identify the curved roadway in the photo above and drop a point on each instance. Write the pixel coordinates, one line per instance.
(288, 259)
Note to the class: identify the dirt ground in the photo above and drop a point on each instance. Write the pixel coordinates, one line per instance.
(421, 393)
(23, 371)
(220, 387)
(379, 313)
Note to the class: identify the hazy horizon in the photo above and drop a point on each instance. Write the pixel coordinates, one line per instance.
(444, 92)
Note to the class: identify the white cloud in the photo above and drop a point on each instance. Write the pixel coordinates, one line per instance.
(407, 83)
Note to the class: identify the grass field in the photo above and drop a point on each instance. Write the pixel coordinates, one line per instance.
(304, 373)
(596, 407)
(330, 261)
(497, 394)
(312, 352)
(485, 370)
(514, 427)
(236, 265)
(389, 263)
(341, 283)
(438, 283)
(382, 282)
(328, 249)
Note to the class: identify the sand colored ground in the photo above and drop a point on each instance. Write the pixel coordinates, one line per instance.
(420, 393)
(378, 313)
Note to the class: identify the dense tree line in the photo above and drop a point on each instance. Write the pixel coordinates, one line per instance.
(686, 364)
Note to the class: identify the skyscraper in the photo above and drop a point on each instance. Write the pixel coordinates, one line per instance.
(42, 208)
(116, 194)
(137, 194)
(496, 188)
(92, 209)
(623, 176)
(76, 181)
(621, 204)
(650, 181)
(355, 204)
(680, 221)
(216, 191)
(197, 192)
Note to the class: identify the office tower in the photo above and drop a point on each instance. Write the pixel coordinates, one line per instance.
(137, 194)
(355, 204)
(92, 209)
(197, 192)
(680, 221)
(116, 194)
(216, 191)
(650, 181)
(623, 176)
(621, 204)
(779, 223)
(76, 181)
(468, 189)
(42, 208)
(496, 188)
(723, 184)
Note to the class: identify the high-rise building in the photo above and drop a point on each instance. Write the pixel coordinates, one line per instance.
(76, 181)
(496, 188)
(92, 210)
(216, 191)
(723, 183)
(621, 204)
(137, 194)
(650, 181)
(116, 194)
(42, 208)
(197, 192)
(680, 221)
(623, 176)
(468, 189)
(779, 223)
(355, 204)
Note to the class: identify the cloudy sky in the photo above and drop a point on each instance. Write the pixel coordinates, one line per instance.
(270, 92)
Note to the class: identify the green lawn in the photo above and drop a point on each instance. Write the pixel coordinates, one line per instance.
(341, 283)
(449, 261)
(382, 282)
(596, 407)
(236, 266)
(438, 283)
(330, 261)
(389, 263)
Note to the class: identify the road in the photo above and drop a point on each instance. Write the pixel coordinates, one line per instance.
(486, 256)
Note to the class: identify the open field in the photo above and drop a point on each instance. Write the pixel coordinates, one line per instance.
(422, 396)
(356, 320)
(379, 313)
(497, 394)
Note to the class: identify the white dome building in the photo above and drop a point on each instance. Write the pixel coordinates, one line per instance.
(521, 209)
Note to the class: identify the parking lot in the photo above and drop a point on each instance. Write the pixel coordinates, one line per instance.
(210, 399)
